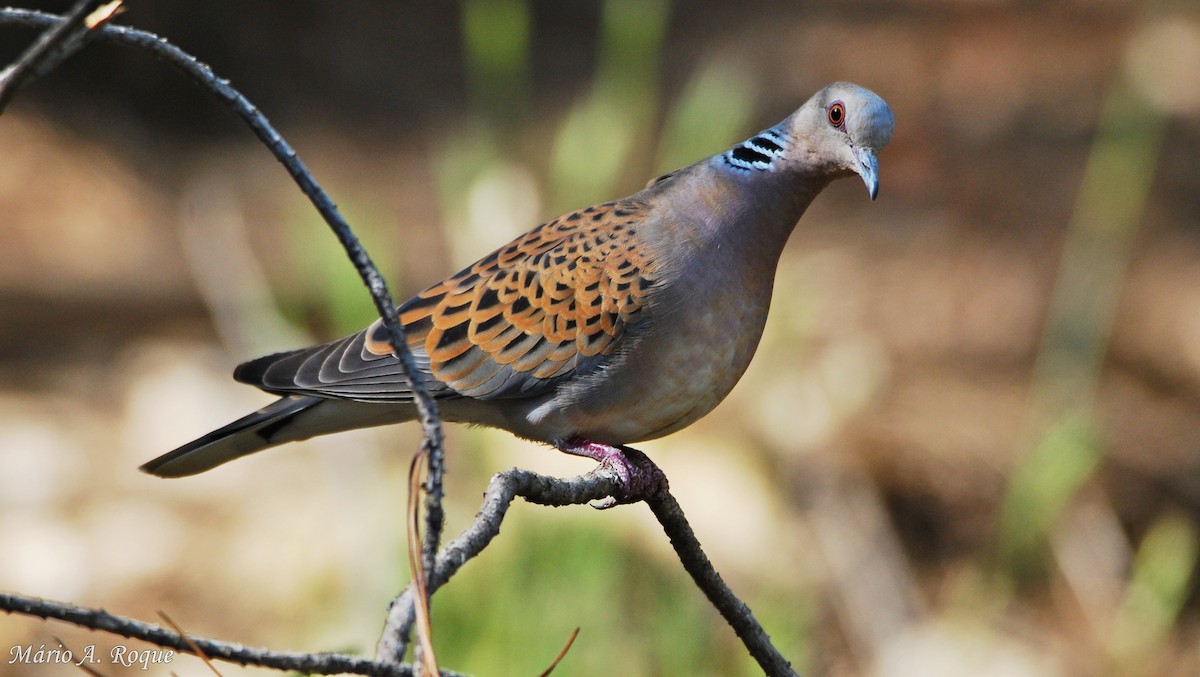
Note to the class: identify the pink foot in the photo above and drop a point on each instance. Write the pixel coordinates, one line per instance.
(640, 478)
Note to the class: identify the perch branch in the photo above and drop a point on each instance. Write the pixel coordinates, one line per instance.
(593, 486)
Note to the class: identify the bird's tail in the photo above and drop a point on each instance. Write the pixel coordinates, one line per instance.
(281, 421)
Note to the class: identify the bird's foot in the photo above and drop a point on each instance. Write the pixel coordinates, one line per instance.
(639, 477)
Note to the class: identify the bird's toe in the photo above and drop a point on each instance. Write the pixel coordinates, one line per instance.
(638, 476)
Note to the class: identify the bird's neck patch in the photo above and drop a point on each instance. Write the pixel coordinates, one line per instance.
(756, 154)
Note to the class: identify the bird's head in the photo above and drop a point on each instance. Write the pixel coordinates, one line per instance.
(844, 126)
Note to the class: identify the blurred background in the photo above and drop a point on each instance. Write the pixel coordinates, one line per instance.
(969, 445)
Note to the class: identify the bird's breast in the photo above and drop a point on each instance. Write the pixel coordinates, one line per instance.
(698, 343)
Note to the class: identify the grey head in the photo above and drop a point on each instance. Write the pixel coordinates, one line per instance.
(841, 128)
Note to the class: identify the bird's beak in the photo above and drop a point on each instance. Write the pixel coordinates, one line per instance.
(868, 169)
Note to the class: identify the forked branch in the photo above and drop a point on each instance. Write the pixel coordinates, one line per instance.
(602, 482)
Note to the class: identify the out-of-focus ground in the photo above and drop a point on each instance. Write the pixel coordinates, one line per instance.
(969, 444)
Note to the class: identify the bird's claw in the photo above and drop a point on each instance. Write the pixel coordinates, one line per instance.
(639, 478)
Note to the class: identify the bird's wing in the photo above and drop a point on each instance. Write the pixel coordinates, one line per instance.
(551, 304)
(344, 368)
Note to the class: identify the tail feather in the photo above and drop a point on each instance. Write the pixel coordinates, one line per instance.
(246, 435)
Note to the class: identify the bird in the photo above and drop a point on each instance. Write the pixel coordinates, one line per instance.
(614, 324)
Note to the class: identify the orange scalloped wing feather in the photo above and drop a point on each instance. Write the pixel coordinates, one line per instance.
(548, 304)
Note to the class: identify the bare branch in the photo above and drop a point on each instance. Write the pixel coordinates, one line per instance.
(736, 613)
(98, 619)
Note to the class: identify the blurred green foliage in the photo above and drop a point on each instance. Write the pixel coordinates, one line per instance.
(1041, 488)
(323, 293)
(513, 609)
(598, 141)
(496, 39)
(711, 110)
(1164, 570)
(1068, 446)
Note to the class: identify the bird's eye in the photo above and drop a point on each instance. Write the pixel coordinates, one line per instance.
(837, 114)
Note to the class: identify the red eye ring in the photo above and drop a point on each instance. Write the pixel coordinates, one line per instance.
(837, 114)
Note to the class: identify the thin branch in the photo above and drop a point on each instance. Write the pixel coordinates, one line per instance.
(195, 650)
(666, 509)
(63, 38)
(562, 653)
(98, 619)
(202, 75)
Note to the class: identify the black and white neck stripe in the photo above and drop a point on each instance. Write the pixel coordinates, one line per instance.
(757, 153)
